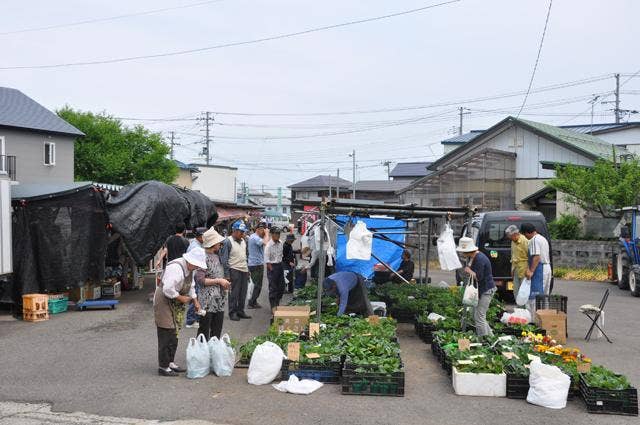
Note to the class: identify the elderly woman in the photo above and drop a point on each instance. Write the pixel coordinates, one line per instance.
(213, 286)
(519, 256)
(480, 269)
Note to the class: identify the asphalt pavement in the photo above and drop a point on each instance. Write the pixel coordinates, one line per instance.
(105, 363)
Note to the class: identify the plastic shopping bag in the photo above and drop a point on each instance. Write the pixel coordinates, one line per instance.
(523, 293)
(447, 254)
(250, 288)
(470, 296)
(297, 386)
(548, 386)
(223, 358)
(197, 357)
(265, 364)
(359, 243)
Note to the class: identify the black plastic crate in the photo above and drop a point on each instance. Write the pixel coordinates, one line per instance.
(517, 332)
(612, 402)
(328, 372)
(517, 385)
(424, 331)
(552, 302)
(401, 316)
(372, 383)
(435, 348)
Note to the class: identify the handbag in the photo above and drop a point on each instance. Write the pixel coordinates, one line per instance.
(470, 296)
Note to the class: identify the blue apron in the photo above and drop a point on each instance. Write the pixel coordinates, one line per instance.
(537, 281)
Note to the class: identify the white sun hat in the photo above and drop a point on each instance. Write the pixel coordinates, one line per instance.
(196, 257)
(211, 237)
(466, 244)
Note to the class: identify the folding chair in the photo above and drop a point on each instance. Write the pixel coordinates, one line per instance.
(593, 313)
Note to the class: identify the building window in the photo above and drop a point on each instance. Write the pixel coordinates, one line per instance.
(49, 153)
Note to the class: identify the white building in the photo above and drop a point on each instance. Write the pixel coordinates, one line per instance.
(217, 182)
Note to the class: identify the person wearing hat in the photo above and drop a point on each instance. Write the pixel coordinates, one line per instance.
(174, 291)
(275, 269)
(257, 242)
(289, 261)
(351, 292)
(519, 256)
(196, 242)
(212, 296)
(479, 269)
(233, 256)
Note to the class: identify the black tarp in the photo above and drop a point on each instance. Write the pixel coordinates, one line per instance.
(59, 241)
(145, 214)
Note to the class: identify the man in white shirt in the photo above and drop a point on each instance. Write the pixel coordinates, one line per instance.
(173, 293)
(538, 255)
(275, 269)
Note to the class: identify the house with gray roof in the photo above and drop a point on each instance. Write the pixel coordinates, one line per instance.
(409, 171)
(505, 168)
(36, 145)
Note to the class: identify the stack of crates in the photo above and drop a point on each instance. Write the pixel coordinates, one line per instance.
(35, 307)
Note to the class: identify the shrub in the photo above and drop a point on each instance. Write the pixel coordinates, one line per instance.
(565, 227)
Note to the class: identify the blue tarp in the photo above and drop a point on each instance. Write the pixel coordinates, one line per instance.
(387, 251)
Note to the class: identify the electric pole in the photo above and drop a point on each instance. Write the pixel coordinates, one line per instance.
(208, 119)
(172, 142)
(353, 155)
(338, 185)
(617, 109)
(388, 165)
(462, 113)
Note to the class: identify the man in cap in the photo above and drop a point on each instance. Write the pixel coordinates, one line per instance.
(275, 269)
(174, 291)
(233, 256)
(289, 261)
(257, 242)
(519, 256)
(351, 292)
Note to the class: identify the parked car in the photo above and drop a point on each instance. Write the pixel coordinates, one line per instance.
(487, 229)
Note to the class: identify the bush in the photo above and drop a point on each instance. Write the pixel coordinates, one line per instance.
(565, 227)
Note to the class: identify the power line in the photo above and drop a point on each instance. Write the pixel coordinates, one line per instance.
(233, 44)
(109, 18)
(535, 66)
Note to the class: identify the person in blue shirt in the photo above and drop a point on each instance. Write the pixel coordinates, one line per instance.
(257, 242)
(479, 269)
(351, 292)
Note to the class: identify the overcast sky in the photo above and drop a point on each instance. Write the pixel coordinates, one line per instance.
(450, 54)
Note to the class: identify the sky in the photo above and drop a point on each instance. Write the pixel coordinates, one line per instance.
(288, 109)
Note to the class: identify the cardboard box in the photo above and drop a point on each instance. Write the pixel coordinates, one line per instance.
(292, 318)
(554, 322)
(94, 292)
(111, 290)
(80, 293)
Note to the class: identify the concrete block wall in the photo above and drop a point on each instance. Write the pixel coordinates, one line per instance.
(582, 254)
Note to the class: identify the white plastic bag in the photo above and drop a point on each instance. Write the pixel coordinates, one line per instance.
(359, 243)
(223, 358)
(519, 315)
(523, 293)
(447, 254)
(435, 317)
(250, 287)
(470, 296)
(548, 386)
(265, 364)
(297, 386)
(197, 357)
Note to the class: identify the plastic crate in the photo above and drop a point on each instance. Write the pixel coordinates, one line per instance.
(35, 302)
(372, 383)
(424, 331)
(551, 302)
(328, 373)
(517, 385)
(401, 316)
(35, 316)
(612, 402)
(517, 332)
(58, 305)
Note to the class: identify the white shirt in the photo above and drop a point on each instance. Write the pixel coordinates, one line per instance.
(194, 244)
(273, 252)
(538, 245)
(172, 282)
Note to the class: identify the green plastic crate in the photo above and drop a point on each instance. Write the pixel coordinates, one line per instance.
(58, 306)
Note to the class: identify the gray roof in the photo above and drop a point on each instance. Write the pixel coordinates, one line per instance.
(410, 169)
(39, 190)
(600, 128)
(321, 182)
(181, 165)
(462, 138)
(381, 185)
(20, 111)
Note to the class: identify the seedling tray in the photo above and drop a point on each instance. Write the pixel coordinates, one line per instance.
(612, 402)
(372, 383)
(328, 372)
(401, 316)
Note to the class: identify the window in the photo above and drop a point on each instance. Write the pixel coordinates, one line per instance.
(49, 153)
(494, 236)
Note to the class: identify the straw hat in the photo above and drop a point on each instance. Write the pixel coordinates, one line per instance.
(211, 237)
(466, 244)
(196, 257)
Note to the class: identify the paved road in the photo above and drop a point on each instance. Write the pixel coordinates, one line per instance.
(104, 363)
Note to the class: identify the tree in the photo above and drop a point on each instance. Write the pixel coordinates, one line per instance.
(602, 188)
(111, 152)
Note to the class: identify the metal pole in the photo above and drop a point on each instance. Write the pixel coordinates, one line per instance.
(617, 110)
(322, 259)
(389, 267)
(420, 251)
(430, 224)
(354, 173)
(338, 186)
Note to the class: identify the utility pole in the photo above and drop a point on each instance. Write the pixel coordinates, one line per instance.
(208, 119)
(388, 165)
(617, 109)
(353, 155)
(462, 110)
(338, 185)
(172, 139)
(593, 103)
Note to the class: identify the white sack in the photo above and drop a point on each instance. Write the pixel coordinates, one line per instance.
(548, 386)
(197, 357)
(223, 358)
(447, 254)
(359, 243)
(523, 293)
(296, 386)
(265, 364)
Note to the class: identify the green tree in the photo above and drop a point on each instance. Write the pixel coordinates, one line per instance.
(111, 152)
(602, 188)
(567, 227)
